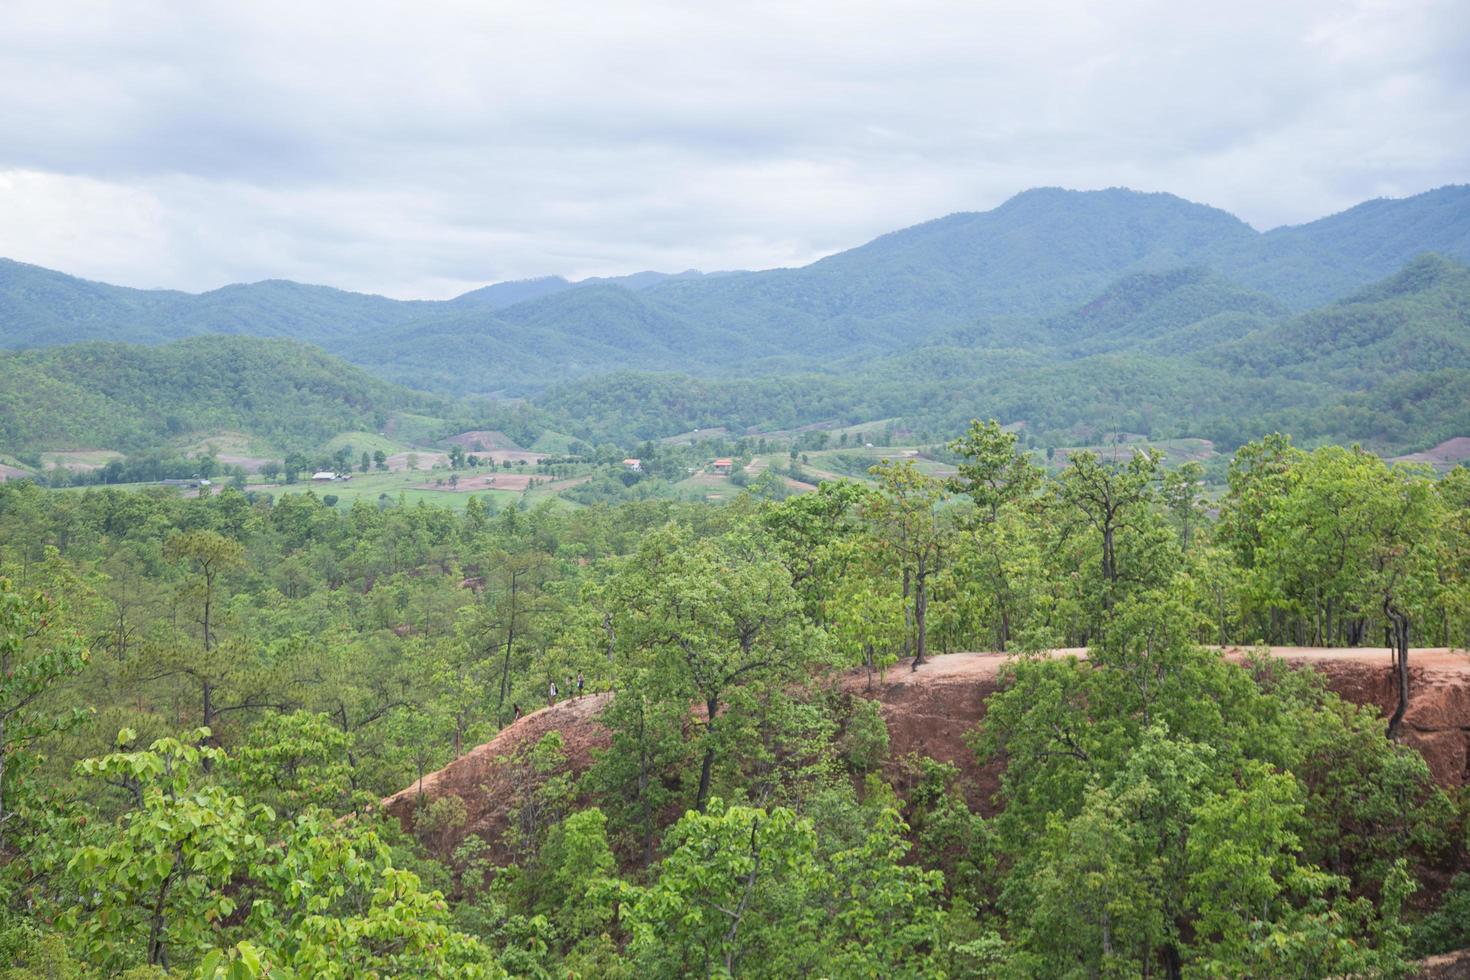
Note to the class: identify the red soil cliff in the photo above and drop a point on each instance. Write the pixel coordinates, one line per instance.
(930, 710)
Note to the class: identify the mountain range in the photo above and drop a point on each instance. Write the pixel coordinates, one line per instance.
(1038, 255)
(1058, 308)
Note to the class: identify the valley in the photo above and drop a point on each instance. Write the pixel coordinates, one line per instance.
(538, 628)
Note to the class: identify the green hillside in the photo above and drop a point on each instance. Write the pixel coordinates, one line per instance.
(129, 397)
(1175, 311)
(1176, 353)
(1388, 367)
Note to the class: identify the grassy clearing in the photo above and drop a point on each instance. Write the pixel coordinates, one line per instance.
(79, 459)
(414, 430)
(552, 443)
(229, 444)
(369, 441)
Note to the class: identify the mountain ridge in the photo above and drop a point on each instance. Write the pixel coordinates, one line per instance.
(1038, 255)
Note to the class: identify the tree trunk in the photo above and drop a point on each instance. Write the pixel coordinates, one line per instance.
(1172, 963)
(907, 620)
(1399, 625)
(711, 705)
(921, 612)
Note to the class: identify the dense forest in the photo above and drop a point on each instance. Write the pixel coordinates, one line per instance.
(202, 701)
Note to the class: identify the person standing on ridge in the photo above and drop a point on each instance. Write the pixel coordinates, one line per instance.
(551, 693)
(579, 685)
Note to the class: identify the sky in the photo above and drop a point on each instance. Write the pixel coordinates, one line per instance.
(419, 150)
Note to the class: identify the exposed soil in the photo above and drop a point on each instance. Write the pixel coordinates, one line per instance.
(1446, 455)
(482, 780)
(930, 711)
(1447, 966)
(426, 460)
(12, 473)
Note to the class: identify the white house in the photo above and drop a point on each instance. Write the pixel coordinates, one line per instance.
(324, 476)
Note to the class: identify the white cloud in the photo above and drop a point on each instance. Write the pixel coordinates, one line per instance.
(422, 149)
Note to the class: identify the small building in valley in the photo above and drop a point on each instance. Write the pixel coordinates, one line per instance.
(723, 466)
(325, 476)
(633, 465)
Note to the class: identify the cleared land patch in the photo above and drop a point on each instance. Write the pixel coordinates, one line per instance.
(79, 460)
(1446, 456)
(483, 440)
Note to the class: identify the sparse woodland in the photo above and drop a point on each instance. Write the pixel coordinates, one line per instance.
(203, 700)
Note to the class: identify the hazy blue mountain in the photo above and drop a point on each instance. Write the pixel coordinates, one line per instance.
(503, 294)
(1093, 271)
(1167, 312)
(1311, 264)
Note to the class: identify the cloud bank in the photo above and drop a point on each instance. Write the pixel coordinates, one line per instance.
(420, 150)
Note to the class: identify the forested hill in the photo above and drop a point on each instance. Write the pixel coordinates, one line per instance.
(1039, 255)
(127, 397)
(1175, 354)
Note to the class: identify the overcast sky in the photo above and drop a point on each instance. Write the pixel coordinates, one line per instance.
(422, 149)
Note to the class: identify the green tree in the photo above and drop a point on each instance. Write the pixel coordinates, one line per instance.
(36, 654)
(1110, 498)
(907, 525)
(994, 472)
(1353, 538)
(153, 885)
(712, 614)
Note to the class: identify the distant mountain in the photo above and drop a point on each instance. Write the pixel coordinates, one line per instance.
(1388, 366)
(1176, 352)
(1311, 264)
(1176, 311)
(503, 294)
(1092, 272)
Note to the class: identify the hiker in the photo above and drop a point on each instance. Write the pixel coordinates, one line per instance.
(552, 688)
(515, 712)
(579, 685)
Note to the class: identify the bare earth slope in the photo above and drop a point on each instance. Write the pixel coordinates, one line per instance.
(930, 710)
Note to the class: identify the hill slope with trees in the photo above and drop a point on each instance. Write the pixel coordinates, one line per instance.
(1037, 256)
(131, 397)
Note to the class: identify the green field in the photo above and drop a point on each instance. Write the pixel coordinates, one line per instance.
(361, 441)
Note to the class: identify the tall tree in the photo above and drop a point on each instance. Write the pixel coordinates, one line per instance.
(1003, 483)
(714, 614)
(1110, 497)
(1355, 537)
(908, 526)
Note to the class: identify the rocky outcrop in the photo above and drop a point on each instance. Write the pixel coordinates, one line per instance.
(929, 712)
